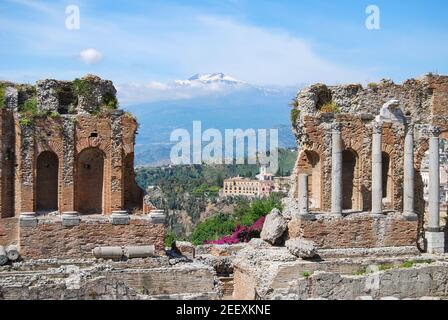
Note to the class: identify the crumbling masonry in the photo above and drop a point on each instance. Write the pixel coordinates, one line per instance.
(361, 152)
(67, 171)
(356, 206)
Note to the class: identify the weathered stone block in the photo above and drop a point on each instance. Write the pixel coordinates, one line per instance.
(302, 248)
(274, 227)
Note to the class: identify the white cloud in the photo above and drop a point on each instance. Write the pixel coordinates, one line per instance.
(90, 56)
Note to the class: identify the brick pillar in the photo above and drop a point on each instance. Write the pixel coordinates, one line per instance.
(26, 180)
(67, 204)
(117, 158)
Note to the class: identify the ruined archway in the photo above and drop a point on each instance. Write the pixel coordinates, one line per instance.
(310, 163)
(350, 180)
(89, 181)
(47, 168)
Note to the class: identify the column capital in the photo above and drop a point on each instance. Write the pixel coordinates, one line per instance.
(377, 127)
(336, 127)
(410, 128)
(434, 132)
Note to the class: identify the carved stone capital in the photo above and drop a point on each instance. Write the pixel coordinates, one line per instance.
(336, 126)
(410, 128)
(377, 127)
(434, 132)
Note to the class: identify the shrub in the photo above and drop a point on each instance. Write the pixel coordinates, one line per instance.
(54, 115)
(82, 87)
(242, 233)
(330, 107)
(407, 264)
(306, 274)
(247, 214)
(294, 116)
(2, 96)
(213, 228)
(24, 121)
(373, 85)
(30, 107)
(170, 238)
(110, 101)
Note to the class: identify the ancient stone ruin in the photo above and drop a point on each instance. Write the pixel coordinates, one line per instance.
(357, 191)
(352, 227)
(357, 181)
(67, 171)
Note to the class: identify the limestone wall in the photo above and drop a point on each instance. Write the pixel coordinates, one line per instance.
(412, 283)
(110, 282)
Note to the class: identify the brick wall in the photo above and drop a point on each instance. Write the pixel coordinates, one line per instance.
(9, 232)
(356, 231)
(50, 239)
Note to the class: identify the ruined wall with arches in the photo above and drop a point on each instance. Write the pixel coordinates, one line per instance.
(76, 156)
(85, 176)
(422, 103)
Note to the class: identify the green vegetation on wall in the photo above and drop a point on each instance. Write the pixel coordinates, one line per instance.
(2, 96)
(294, 116)
(110, 101)
(82, 87)
(330, 107)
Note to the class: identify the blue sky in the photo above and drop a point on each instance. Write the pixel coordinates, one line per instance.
(282, 43)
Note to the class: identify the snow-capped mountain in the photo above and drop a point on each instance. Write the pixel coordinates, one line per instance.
(199, 85)
(217, 100)
(211, 78)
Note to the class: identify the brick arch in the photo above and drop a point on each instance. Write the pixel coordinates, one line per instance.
(89, 142)
(51, 145)
(90, 181)
(310, 162)
(47, 181)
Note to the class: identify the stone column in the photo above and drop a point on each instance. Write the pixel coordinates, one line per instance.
(434, 181)
(336, 171)
(377, 169)
(303, 194)
(409, 174)
(435, 238)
